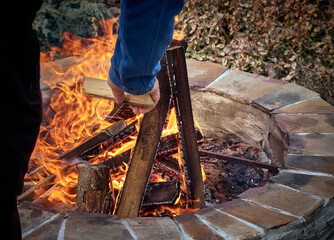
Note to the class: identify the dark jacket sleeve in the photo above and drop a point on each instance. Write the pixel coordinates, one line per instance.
(145, 31)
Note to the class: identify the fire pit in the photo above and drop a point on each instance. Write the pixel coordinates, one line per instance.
(292, 125)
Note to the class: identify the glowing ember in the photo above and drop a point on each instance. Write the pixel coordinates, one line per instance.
(78, 117)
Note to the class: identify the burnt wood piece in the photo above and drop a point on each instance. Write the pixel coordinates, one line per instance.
(178, 78)
(169, 144)
(118, 160)
(94, 142)
(99, 88)
(161, 193)
(272, 168)
(169, 168)
(109, 203)
(120, 111)
(111, 142)
(93, 186)
(41, 187)
(144, 152)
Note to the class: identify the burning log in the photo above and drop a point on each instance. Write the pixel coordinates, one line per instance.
(93, 186)
(161, 193)
(94, 141)
(178, 78)
(99, 88)
(118, 160)
(270, 167)
(144, 152)
(120, 111)
(41, 187)
(169, 167)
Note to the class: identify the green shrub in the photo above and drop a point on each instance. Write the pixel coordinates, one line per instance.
(58, 16)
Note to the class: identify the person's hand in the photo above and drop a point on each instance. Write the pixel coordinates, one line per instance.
(119, 96)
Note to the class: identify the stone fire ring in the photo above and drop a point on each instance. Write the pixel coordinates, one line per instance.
(293, 125)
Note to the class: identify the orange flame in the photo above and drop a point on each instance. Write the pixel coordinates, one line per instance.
(77, 117)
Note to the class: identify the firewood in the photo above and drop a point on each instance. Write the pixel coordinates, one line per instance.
(41, 187)
(93, 186)
(161, 193)
(144, 153)
(94, 141)
(178, 78)
(100, 88)
(271, 167)
(118, 160)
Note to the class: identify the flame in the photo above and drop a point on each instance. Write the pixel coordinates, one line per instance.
(77, 117)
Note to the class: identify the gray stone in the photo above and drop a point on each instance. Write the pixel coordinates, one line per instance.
(282, 198)
(49, 230)
(313, 105)
(317, 185)
(195, 228)
(306, 123)
(233, 228)
(314, 143)
(33, 216)
(245, 85)
(320, 226)
(283, 96)
(203, 73)
(154, 228)
(81, 226)
(259, 216)
(323, 164)
(218, 116)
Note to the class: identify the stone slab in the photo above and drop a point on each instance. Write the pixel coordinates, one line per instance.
(282, 198)
(314, 105)
(82, 226)
(32, 215)
(154, 228)
(314, 143)
(219, 116)
(283, 96)
(317, 185)
(233, 228)
(323, 164)
(246, 85)
(306, 123)
(201, 74)
(255, 214)
(49, 231)
(195, 228)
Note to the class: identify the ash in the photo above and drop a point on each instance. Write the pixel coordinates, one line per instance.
(226, 180)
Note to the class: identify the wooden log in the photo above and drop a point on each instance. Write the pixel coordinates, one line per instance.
(93, 186)
(100, 88)
(271, 167)
(120, 111)
(144, 152)
(118, 160)
(178, 78)
(41, 187)
(161, 193)
(94, 141)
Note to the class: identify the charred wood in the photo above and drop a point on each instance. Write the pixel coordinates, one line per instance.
(94, 141)
(161, 193)
(144, 153)
(178, 79)
(270, 167)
